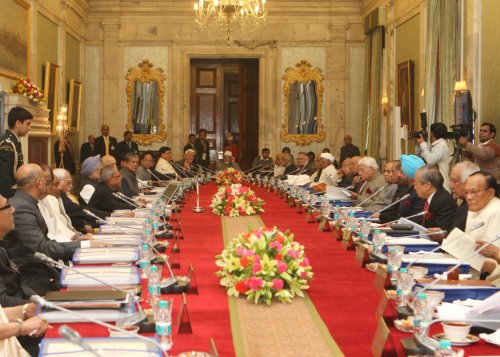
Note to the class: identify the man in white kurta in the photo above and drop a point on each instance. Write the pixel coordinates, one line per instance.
(483, 205)
(163, 166)
(328, 174)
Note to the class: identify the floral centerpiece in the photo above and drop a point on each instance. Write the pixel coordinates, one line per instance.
(25, 87)
(236, 200)
(264, 264)
(229, 176)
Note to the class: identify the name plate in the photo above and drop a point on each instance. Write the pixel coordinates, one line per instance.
(362, 256)
(383, 344)
(382, 280)
(324, 224)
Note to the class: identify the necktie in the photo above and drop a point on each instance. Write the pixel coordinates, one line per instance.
(129, 145)
(426, 207)
(316, 179)
(106, 143)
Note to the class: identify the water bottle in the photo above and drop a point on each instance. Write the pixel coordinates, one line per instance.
(164, 326)
(422, 313)
(155, 227)
(376, 241)
(145, 262)
(404, 286)
(154, 288)
(146, 225)
(444, 349)
(147, 237)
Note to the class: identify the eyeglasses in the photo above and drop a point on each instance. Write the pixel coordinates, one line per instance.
(7, 206)
(474, 193)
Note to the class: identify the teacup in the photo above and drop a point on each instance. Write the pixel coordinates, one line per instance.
(456, 330)
(132, 329)
(418, 272)
(434, 297)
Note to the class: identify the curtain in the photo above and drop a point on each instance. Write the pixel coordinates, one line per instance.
(371, 129)
(440, 60)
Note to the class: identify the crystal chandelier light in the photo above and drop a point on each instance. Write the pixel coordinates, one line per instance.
(246, 13)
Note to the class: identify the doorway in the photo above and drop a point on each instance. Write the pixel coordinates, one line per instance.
(225, 99)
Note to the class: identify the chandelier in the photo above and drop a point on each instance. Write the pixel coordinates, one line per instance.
(220, 13)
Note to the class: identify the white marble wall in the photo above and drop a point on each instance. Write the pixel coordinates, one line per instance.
(92, 95)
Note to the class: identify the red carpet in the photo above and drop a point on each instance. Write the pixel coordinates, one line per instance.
(342, 292)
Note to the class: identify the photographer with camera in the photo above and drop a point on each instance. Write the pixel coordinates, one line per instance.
(487, 153)
(437, 154)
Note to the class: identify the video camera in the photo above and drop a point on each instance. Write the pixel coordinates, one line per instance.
(423, 125)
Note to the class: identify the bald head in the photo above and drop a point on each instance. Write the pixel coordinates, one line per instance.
(27, 175)
(107, 160)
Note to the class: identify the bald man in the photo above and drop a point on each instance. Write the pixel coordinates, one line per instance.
(348, 150)
(30, 233)
(105, 144)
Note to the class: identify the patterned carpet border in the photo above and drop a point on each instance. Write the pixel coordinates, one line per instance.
(290, 330)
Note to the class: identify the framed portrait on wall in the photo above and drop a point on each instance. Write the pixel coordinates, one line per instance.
(14, 39)
(405, 93)
(75, 100)
(51, 90)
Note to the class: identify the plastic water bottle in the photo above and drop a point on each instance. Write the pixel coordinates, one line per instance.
(376, 241)
(154, 288)
(145, 262)
(164, 326)
(444, 349)
(155, 227)
(146, 225)
(422, 313)
(147, 237)
(404, 286)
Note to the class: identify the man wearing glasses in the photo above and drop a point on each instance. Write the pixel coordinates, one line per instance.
(11, 154)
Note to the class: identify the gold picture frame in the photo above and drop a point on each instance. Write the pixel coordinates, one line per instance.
(405, 94)
(302, 117)
(151, 80)
(75, 101)
(51, 90)
(15, 39)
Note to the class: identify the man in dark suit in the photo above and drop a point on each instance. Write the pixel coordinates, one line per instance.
(127, 145)
(30, 233)
(105, 144)
(87, 149)
(202, 150)
(348, 150)
(439, 203)
(68, 155)
(111, 182)
(459, 174)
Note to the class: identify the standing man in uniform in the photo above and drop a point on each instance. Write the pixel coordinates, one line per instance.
(11, 154)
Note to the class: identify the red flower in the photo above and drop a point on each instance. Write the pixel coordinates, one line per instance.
(429, 215)
(244, 262)
(280, 238)
(241, 287)
(407, 203)
(369, 191)
(279, 257)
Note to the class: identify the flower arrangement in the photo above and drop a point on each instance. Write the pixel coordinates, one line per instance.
(29, 89)
(264, 264)
(229, 176)
(236, 200)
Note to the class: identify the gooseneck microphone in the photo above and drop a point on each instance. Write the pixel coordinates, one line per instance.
(133, 319)
(44, 303)
(74, 337)
(372, 195)
(390, 205)
(412, 216)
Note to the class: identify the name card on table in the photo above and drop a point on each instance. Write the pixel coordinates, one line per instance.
(362, 255)
(213, 349)
(183, 318)
(324, 224)
(175, 259)
(383, 343)
(347, 241)
(299, 208)
(382, 280)
(193, 284)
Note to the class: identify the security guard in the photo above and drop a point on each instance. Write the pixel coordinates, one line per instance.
(11, 154)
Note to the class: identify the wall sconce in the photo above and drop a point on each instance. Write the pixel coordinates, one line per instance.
(460, 87)
(62, 127)
(385, 105)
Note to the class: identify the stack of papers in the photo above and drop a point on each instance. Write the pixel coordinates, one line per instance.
(118, 239)
(106, 346)
(106, 255)
(110, 274)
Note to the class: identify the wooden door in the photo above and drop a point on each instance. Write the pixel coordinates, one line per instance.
(249, 117)
(206, 103)
(37, 150)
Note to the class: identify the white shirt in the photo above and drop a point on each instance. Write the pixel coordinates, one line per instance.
(328, 176)
(490, 215)
(164, 167)
(87, 192)
(57, 221)
(437, 155)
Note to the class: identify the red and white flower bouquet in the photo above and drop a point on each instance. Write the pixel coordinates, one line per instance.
(229, 176)
(25, 87)
(236, 200)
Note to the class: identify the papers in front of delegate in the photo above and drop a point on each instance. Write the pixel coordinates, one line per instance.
(461, 246)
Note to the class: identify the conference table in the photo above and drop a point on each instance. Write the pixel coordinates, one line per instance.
(343, 293)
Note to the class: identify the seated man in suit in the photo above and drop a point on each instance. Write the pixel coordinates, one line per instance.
(305, 164)
(439, 203)
(186, 167)
(373, 181)
(164, 165)
(30, 233)
(130, 185)
(110, 183)
(90, 172)
(393, 177)
(227, 162)
(458, 176)
(147, 163)
(127, 145)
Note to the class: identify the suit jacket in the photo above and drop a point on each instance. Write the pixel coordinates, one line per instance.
(347, 151)
(392, 213)
(412, 205)
(202, 151)
(378, 201)
(441, 210)
(100, 147)
(11, 158)
(77, 216)
(68, 157)
(460, 217)
(130, 186)
(29, 237)
(103, 199)
(86, 151)
(12, 291)
(123, 148)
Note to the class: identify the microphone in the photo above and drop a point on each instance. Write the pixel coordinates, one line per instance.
(133, 319)
(74, 337)
(474, 227)
(291, 173)
(412, 216)
(422, 234)
(204, 168)
(102, 221)
(373, 194)
(252, 169)
(441, 276)
(187, 172)
(44, 303)
(156, 177)
(392, 204)
(303, 167)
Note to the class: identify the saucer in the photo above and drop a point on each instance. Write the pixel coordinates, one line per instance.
(469, 339)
